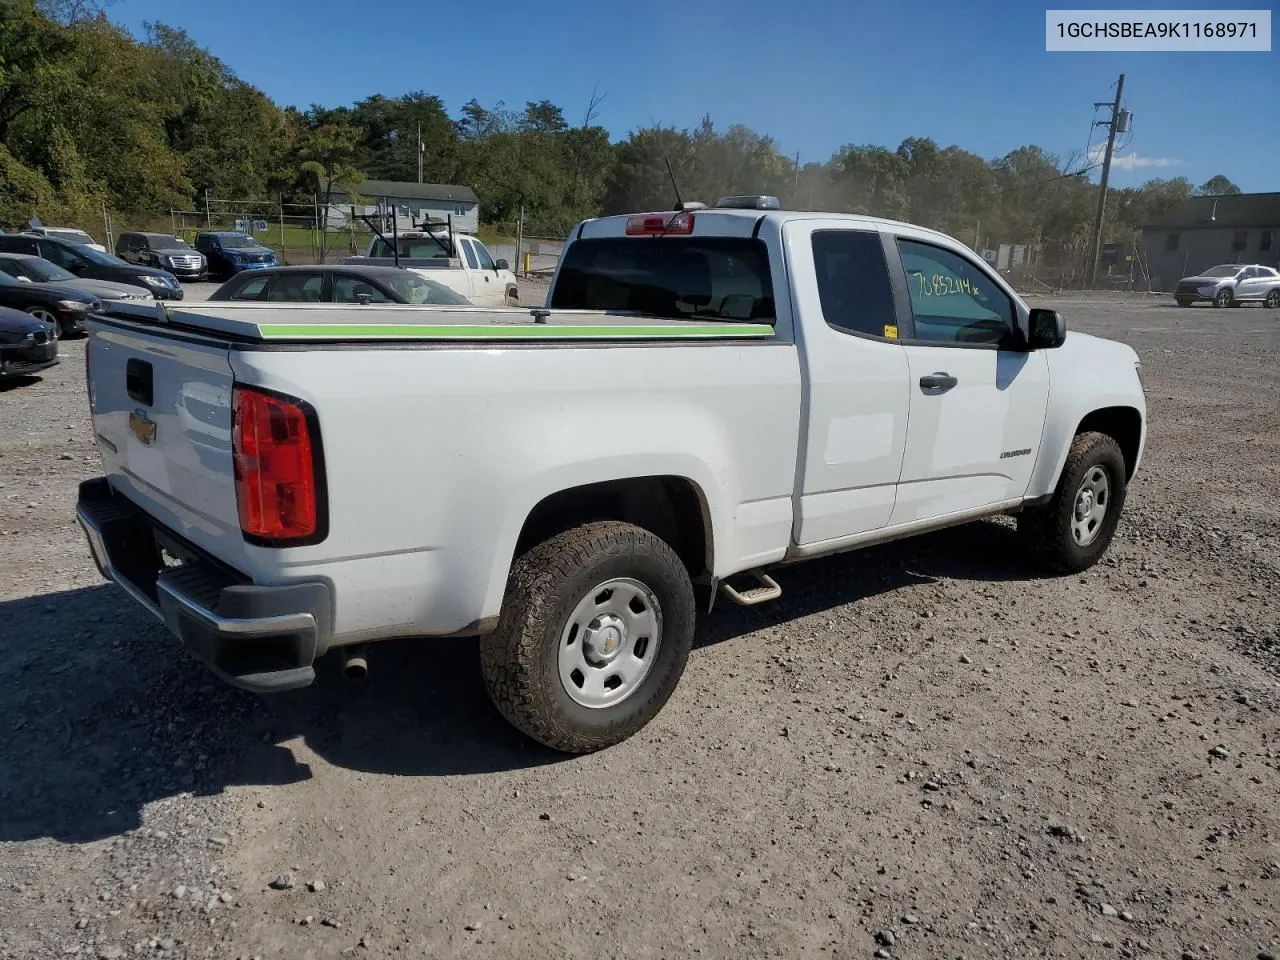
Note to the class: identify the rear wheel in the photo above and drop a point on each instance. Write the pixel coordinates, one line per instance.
(1223, 299)
(40, 313)
(1273, 299)
(1073, 530)
(594, 634)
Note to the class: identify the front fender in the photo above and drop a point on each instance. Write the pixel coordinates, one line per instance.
(1086, 374)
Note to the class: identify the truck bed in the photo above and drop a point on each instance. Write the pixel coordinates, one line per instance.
(265, 322)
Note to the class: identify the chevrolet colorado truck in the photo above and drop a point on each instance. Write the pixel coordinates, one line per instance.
(460, 262)
(709, 394)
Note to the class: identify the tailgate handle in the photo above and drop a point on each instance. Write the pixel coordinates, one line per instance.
(138, 381)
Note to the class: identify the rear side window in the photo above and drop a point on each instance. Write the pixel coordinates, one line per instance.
(853, 282)
(297, 288)
(251, 289)
(678, 277)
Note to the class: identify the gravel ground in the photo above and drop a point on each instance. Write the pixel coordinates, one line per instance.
(922, 750)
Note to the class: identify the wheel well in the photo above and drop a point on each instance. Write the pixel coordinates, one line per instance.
(668, 507)
(1124, 425)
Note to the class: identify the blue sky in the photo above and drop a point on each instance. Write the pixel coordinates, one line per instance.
(813, 75)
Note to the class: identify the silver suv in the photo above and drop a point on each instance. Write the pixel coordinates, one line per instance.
(1231, 284)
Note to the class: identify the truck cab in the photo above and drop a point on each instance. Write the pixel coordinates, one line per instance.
(459, 261)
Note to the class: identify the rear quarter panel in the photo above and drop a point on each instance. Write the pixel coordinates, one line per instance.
(436, 456)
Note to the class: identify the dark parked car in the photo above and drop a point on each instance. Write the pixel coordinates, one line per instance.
(229, 253)
(89, 263)
(1230, 285)
(337, 284)
(24, 267)
(163, 252)
(27, 345)
(62, 308)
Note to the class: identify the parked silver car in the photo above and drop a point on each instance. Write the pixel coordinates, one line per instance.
(1230, 285)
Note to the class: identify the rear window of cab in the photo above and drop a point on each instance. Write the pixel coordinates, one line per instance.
(682, 278)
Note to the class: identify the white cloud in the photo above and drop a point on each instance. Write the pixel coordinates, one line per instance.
(1131, 160)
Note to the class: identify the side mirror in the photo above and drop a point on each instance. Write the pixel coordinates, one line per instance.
(1048, 329)
(501, 265)
(78, 265)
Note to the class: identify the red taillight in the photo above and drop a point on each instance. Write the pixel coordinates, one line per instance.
(659, 224)
(275, 454)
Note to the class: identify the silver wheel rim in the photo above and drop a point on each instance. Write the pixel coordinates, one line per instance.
(47, 317)
(1093, 498)
(610, 643)
(1224, 298)
(1273, 299)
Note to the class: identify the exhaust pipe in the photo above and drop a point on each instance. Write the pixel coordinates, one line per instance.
(354, 664)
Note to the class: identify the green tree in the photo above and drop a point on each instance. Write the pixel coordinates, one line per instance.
(328, 152)
(1217, 186)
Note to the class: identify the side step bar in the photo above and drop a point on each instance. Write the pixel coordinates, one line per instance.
(766, 589)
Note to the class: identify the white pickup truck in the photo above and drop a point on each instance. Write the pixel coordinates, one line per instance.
(460, 262)
(710, 394)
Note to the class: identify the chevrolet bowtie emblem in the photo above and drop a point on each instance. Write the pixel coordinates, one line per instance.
(143, 427)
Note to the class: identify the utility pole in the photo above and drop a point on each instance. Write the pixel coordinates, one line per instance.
(795, 191)
(1095, 246)
(419, 153)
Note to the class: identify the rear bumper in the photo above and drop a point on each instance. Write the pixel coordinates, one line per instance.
(263, 639)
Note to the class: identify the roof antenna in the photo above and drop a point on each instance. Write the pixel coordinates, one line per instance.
(675, 186)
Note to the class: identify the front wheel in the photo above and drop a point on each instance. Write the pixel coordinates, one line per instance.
(1223, 299)
(593, 637)
(1073, 530)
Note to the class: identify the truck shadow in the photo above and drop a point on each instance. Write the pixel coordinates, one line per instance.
(102, 714)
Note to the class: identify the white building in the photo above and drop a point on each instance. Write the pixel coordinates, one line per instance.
(411, 204)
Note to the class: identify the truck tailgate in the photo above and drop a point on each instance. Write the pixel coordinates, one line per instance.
(162, 418)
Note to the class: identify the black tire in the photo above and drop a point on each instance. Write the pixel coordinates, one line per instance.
(1046, 530)
(1223, 299)
(1273, 299)
(1184, 303)
(519, 660)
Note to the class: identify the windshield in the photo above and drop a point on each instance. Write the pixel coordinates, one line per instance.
(412, 248)
(237, 241)
(41, 271)
(1225, 270)
(169, 243)
(723, 277)
(418, 289)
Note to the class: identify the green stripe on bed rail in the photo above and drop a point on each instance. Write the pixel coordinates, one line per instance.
(549, 331)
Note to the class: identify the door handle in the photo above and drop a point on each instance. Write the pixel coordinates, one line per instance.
(938, 381)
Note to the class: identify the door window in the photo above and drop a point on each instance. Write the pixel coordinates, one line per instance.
(347, 289)
(470, 254)
(953, 301)
(853, 282)
(297, 288)
(486, 261)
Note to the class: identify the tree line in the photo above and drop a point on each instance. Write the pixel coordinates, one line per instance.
(91, 115)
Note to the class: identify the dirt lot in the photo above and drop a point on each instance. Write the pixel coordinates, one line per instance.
(925, 749)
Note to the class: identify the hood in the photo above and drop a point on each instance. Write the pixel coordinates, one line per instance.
(1088, 347)
(15, 321)
(1204, 280)
(59, 291)
(105, 289)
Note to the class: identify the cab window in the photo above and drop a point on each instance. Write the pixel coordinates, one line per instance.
(952, 300)
(853, 282)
